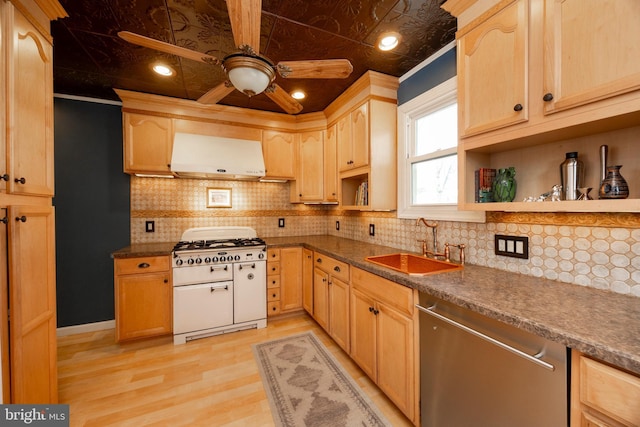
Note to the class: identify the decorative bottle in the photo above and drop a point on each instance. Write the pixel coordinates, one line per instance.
(571, 176)
(614, 186)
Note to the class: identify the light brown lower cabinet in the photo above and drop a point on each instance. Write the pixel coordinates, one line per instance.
(307, 280)
(284, 280)
(602, 395)
(331, 297)
(143, 297)
(383, 338)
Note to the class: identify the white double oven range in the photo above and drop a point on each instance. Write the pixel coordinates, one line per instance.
(219, 282)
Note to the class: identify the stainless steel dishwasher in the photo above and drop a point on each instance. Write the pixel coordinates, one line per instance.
(479, 372)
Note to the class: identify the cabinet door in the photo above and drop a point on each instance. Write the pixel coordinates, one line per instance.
(307, 280)
(143, 305)
(30, 109)
(310, 167)
(592, 50)
(492, 61)
(279, 150)
(363, 332)
(32, 299)
(343, 135)
(339, 312)
(321, 298)
(148, 142)
(360, 136)
(290, 279)
(331, 165)
(395, 363)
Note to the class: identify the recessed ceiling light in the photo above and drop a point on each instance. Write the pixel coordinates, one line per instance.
(298, 94)
(163, 70)
(389, 40)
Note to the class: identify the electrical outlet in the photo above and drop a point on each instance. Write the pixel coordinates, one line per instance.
(512, 246)
(281, 222)
(150, 226)
(337, 225)
(372, 230)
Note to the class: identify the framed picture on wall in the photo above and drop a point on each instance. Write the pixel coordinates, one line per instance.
(218, 197)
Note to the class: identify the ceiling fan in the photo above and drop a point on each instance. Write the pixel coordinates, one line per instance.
(247, 70)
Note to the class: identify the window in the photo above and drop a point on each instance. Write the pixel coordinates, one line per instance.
(427, 157)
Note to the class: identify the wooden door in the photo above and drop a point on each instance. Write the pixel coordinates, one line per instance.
(307, 280)
(30, 108)
(492, 73)
(321, 298)
(360, 136)
(279, 150)
(395, 363)
(591, 50)
(343, 135)
(290, 279)
(144, 305)
(148, 144)
(363, 332)
(339, 312)
(32, 294)
(310, 167)
(331, 165)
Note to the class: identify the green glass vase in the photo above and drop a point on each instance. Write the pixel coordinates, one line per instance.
(504, 185)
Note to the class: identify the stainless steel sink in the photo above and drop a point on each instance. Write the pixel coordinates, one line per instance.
(413, 265)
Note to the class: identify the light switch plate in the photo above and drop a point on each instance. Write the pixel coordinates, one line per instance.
(512, 246)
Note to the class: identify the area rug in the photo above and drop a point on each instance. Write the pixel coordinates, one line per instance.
(307, 386)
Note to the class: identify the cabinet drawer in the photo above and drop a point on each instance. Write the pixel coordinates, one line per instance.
(273, 294)
(611, 391)
(273, 281)
(142, 265)
(273, 254)
(337, 269)
(273, 308)
(273, 268)
(383, 290)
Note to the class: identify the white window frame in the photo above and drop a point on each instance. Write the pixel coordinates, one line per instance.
(440, 96)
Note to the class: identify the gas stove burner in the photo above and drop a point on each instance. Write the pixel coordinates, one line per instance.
(218, 244)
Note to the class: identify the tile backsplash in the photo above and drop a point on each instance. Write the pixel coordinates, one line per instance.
(605, 257)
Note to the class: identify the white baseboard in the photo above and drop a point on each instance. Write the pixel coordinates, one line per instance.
(87, 327)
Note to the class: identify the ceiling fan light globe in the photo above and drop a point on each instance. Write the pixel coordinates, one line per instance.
(250, 75)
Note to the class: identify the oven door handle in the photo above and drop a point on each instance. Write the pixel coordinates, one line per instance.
(218, 267)
(219, 287)
(252, 265)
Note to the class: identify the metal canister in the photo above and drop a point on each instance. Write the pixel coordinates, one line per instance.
(571, 176)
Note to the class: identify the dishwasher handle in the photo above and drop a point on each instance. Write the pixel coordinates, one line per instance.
(535, 358)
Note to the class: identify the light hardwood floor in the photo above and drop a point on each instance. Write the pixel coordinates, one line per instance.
(208, 382)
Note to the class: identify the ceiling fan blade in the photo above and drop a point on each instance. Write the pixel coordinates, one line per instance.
(245, 22)
(315, 69)
(216, 94)
(283, 99)
(167, 47)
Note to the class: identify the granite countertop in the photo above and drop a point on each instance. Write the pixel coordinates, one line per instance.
(599, 323)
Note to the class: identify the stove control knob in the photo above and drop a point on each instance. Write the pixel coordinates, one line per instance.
(207, 260)
(198, 261)
(178, 262)
(222, 259)
(261, 255)
(214, 259)
(237, 257)
(190, 261)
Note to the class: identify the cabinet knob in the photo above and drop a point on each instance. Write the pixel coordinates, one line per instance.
(300, 195)
(319, 260)
(547, 97)
(21, 218)
(5, 177)
(20, 180)
(336, 268)
(5, 220)
(517, 107)
(166, 280)
(144, 265)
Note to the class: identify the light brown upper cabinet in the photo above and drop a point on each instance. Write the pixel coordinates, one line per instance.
(353, 139)
(148, 142)
(331, 165)
(28, 166)
(309, 183)
(279, 150)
